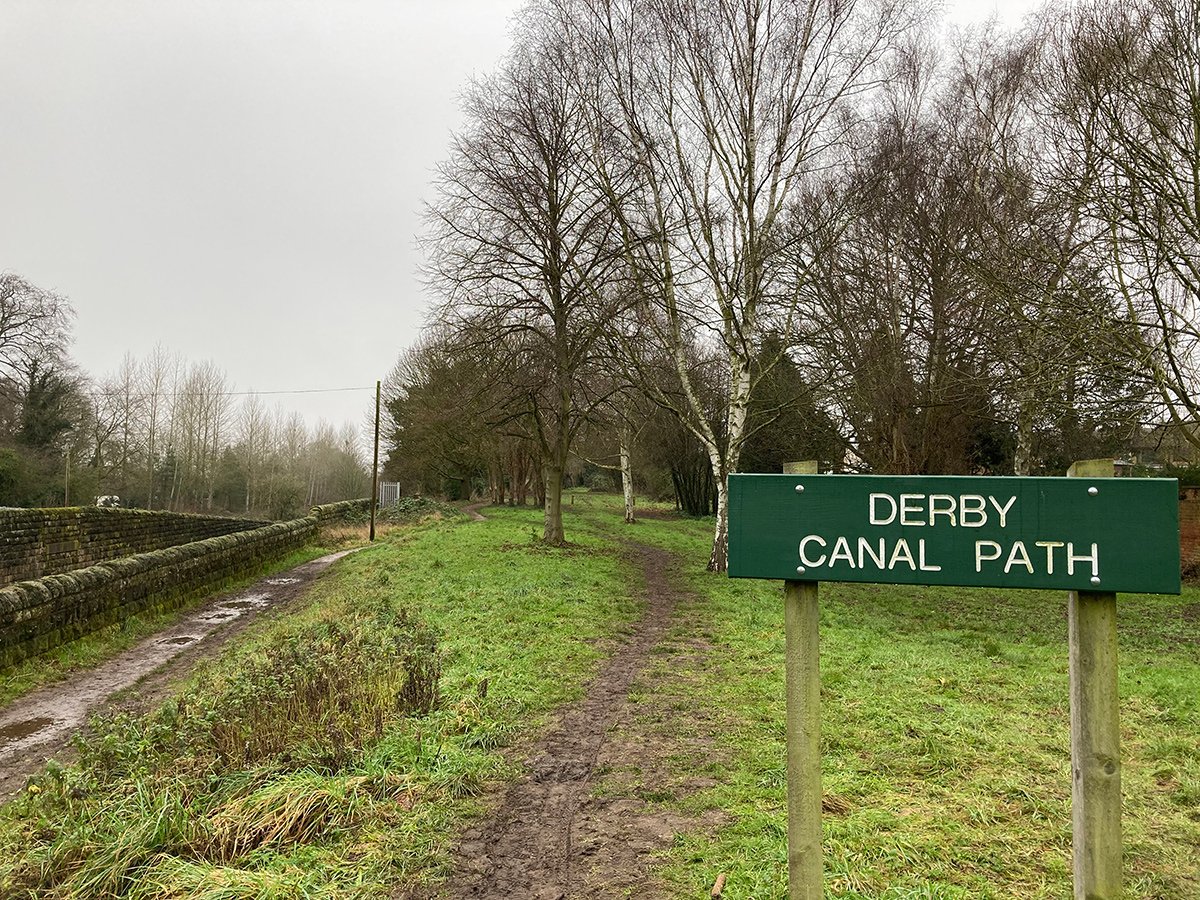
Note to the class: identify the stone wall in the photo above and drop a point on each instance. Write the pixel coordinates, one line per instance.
(39, 542)
(38, 615)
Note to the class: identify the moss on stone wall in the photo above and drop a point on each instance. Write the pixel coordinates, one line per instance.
(39, 542)
(37, 615)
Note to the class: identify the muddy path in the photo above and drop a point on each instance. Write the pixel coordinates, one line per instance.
(472, 510)
(39, 726)
(555, 833)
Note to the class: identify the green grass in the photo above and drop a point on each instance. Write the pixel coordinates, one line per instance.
(945, 743)
(313, 759)
(298, 764)
(92, 649)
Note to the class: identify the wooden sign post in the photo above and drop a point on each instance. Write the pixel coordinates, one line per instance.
(1040, 533)
(1095, 731)
(802, 677)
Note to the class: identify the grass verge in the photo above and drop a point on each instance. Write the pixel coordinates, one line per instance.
(945, 743)
(333, 752)
(104, 643)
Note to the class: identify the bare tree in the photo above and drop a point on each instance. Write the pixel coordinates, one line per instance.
(200, 413)
(154, 374)
(107, 423)
(960, 309)
(522, 247)
(609, 443)
(34, 325)
(728, 109)
(1060, 337)
(1129, 91)
(254, 431)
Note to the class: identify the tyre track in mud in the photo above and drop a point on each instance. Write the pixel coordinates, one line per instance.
(39, 726)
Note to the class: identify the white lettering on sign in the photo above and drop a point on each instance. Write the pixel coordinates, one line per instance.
(902, 554)
(993, 552)
(883, 555)
(1093, 558)
(972, 505)
(1050, 547)
(874, 518)
(943, 510)
(1018, 556)
(929, 510)
(878, 555)
(925, 567)
(864, 547)
(910, 507)
(946, 510)
(841, 551)
(1003, 510)
(812, 563)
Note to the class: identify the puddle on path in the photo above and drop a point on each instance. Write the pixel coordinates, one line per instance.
(23, 729)
(50, 714)
(283, 581)
(239, 605)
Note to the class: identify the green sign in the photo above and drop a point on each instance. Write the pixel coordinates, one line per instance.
(1088, 534)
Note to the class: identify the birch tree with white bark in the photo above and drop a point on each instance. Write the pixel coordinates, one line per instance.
(728, 108)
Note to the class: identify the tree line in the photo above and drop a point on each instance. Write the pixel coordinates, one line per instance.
(160, 432)
(731, 232)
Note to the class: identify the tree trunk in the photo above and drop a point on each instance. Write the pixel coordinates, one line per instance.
(496, 479)
(150, 464)
(1023, 455)
(172, 500)
(719, 560)
(627, 470)
(553, 530)
(739, 407)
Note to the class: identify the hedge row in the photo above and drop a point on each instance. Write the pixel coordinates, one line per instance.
(36, 616)
(39, 542)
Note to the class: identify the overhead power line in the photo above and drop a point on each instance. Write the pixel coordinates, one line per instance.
(141, 395)
(369, 387)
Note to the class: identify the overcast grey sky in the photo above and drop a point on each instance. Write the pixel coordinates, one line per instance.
(241, 180)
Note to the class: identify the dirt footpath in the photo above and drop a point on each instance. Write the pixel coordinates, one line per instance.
(39, 725)
(554, 835)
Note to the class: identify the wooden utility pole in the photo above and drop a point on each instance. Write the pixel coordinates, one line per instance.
(375, 464)
(1095, 730)
(802, 678)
